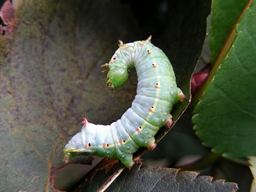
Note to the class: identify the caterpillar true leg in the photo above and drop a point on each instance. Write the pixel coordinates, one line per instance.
(157, 92)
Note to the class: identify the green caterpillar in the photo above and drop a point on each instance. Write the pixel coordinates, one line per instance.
(157, 92)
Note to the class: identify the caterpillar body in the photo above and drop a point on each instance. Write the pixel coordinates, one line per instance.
(157, 92)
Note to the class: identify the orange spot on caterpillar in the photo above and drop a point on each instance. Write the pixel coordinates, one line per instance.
(154, 65)
(122, 142)
(157, 85)
(149, 51)
(141, 43)
(123, 47)
(113, 59)
(88, 145)
(151, 109)
(105, 145)
(138, 129)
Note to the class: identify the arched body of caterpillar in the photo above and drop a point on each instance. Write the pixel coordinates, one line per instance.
(157, 92)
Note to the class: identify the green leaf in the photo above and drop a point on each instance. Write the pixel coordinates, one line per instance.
(224, 16)
(225, 117)
(160, 179)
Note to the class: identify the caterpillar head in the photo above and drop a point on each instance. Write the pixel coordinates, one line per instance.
(116, 77)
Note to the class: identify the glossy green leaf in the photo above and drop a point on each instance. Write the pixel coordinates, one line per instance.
(225, 117)
(224, 15)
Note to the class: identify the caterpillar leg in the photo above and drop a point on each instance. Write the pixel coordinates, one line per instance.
(150, 143)
(152, 147)
(181, 96)
(127, 160)
(169, 121)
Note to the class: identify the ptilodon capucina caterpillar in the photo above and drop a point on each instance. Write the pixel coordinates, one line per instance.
(157, 92)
